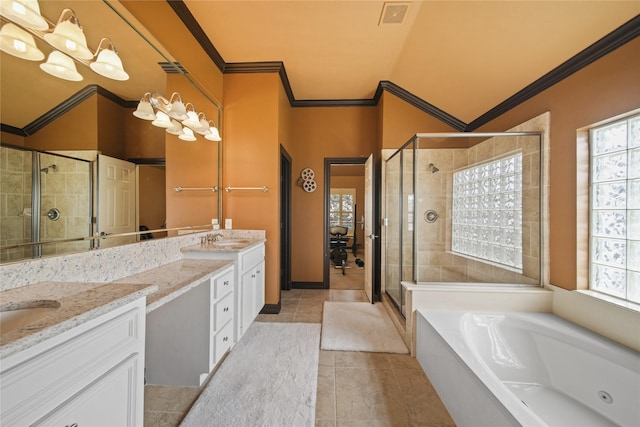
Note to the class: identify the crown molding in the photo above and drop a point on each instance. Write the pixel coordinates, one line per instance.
(419, 103)
(605, 45)
(196, 30)
(67, 105)
(612, 41)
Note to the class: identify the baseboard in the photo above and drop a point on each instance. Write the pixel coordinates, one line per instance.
(271, 308)
(307, 285)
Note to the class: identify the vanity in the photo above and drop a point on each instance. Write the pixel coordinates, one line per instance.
(247, 253)
(169, 312)
(80, 363)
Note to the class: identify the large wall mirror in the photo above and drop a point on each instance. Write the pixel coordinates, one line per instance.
(62, 140)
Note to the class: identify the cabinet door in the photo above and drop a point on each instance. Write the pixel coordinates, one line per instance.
(252, 294)
(258, 301)
(112, 400)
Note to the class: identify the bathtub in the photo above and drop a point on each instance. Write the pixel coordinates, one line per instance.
(527, 369)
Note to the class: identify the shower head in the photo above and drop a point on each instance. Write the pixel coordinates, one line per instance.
(46, 170)
(433, 168)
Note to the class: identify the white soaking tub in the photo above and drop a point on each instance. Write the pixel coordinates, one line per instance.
(527, 369)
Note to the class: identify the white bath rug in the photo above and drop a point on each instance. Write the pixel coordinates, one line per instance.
(268, 379)
(359, 326)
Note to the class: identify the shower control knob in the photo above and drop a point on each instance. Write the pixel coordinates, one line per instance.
(53, 214)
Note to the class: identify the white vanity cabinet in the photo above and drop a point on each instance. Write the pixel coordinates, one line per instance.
(90, 375)
(251, 265)
(187, 336)
(249, 277)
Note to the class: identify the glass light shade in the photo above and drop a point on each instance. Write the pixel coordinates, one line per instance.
(192, 120)
(60, 65)
(213, 134)
(162, 120)
(177, 111)
(187, 135)
(24, 12)
(145, 110)
(109, 65)
(17, 42)
(203, 127)
(175, 129)
(68, 36)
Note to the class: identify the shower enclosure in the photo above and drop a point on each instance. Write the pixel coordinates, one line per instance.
(463, 208)
(43, 197)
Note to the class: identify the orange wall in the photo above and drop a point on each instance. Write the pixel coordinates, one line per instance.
(75, 130)
(401, 121)
(319, 133)
(152, 197)
(251, 158)
(604, 89)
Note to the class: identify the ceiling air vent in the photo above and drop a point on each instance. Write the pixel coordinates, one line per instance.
(393, 13)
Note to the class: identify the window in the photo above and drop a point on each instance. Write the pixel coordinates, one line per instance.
(487, 212)
(614, 232)
(341, 208)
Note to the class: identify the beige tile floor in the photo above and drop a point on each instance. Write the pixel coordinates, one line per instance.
(354, 389)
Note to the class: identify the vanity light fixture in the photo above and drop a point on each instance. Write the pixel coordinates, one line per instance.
(25, 13)
(213, 134)
(145, 110)
(187, 135)
(108, 63)
(163, 113)
(68, 36)
(17, 42)
(60, 65)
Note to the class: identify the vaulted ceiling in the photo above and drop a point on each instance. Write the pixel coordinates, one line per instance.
(463, 57)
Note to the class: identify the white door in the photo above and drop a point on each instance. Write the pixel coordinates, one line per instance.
(368, 228)
(116, 200)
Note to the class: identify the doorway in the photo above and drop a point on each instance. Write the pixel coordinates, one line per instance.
(345, 263)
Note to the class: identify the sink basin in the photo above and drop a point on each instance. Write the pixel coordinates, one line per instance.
(234, 242)
(16, 316)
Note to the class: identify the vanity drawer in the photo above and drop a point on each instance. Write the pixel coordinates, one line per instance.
(223, 311)
(223, 340)
(223, 284)
(251, 258)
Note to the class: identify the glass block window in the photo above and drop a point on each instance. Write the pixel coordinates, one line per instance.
(614, 232)
(342, 203)
(487, 212)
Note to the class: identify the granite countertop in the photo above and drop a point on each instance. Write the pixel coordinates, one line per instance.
(79, 303)
(176, 278)
(224, 245)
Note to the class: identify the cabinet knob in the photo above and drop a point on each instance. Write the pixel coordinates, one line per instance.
(253, 276)
(226, 309)
(72, 425)
(226, 283)
(225, 339)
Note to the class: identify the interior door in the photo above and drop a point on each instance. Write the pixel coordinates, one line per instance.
(116, 200)
(368, 228)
